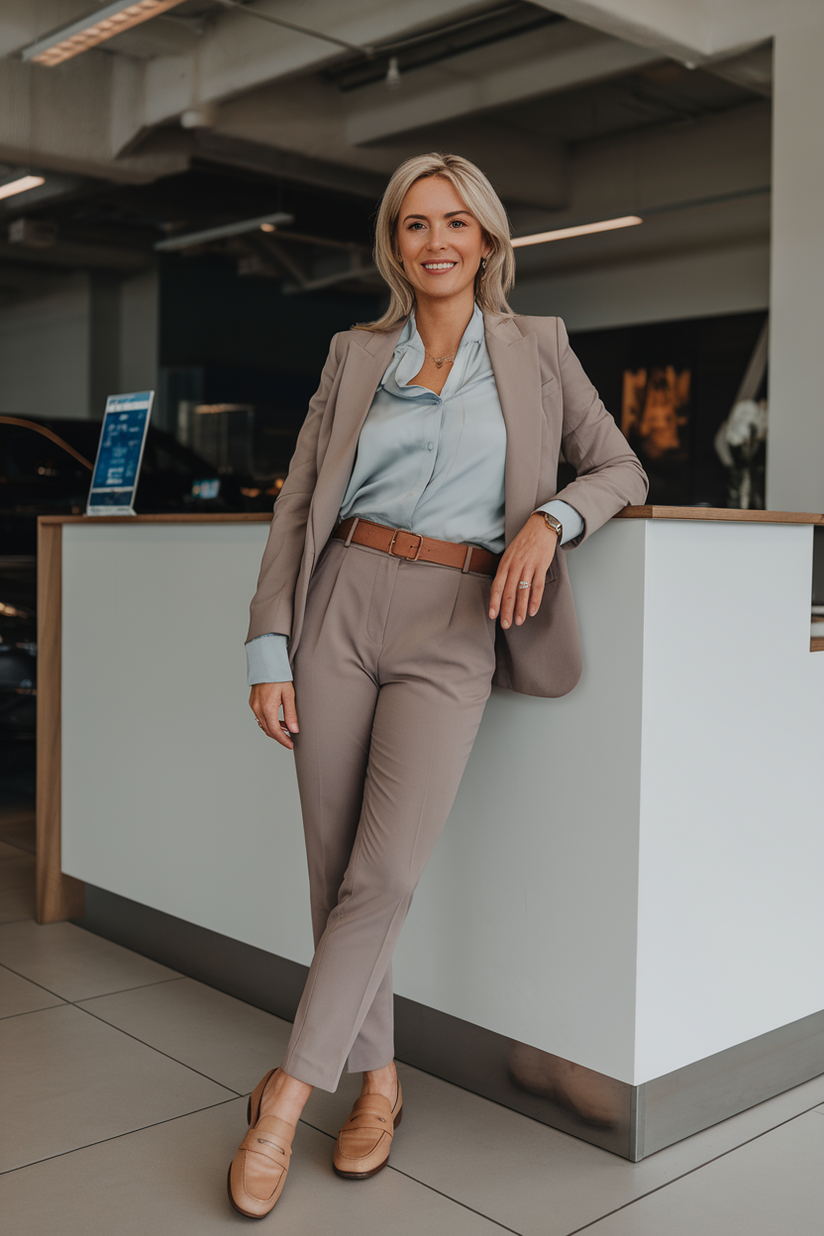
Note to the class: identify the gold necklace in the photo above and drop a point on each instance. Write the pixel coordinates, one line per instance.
(440, 360)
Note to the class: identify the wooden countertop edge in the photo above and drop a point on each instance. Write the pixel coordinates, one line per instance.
(233, 517)
(703, 514)
(714, 514)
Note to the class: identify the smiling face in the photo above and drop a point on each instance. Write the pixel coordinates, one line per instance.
(439, 241)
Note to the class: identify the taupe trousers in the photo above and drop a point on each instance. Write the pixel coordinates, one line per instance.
(391, 677)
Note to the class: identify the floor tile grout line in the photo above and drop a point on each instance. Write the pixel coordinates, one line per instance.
(77, 1003)
(121, 991)
(424, 1185)
(156, 1124)
(80, 1008)
(457, 1202)
(699, 1167)
(34, 983)
(43, 1009)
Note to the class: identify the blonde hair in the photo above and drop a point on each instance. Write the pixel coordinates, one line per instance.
(492, 283)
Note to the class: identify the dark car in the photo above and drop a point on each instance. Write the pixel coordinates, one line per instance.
(38, 476)
(18, 647)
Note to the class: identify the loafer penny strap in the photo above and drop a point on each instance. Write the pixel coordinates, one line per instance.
(271, 1138)
(371, 1111)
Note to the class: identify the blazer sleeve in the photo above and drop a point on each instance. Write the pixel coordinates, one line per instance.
(272, 605)
(609, 473)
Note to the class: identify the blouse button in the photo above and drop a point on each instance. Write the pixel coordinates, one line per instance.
(430, 446)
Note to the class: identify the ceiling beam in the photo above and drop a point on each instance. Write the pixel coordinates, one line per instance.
(527, 66)
(753, 69)
(716, 158)
(289, 165)
(692, 31)
(526, 170)
(305, 123)
(238, 53)
(63, 120)
(676, 28)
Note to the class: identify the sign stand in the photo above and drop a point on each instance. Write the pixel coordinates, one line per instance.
(119, 454)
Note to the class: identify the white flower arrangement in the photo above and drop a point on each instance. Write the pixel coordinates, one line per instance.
(747, 423)
(739, 444)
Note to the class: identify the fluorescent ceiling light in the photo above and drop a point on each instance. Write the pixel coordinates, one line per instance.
(585, 229)
(21, 185)
(95, 28)
(228, 229)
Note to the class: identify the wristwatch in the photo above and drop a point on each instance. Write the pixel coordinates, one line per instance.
(553, 524)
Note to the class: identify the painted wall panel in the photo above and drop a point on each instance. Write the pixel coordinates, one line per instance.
(730, 917)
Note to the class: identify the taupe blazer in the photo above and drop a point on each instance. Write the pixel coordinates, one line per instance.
(548, 403)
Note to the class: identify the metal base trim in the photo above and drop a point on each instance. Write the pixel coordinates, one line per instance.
(630, 1121)
(701, 1094)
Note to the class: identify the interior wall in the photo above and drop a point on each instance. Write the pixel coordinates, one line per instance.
(104, 342)
(694, 284)
(795, 459)
(70, 341)
(138, 342)
(44, 350)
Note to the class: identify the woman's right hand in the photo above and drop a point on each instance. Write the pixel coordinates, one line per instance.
(265, 701)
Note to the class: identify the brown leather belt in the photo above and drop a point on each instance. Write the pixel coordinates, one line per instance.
(414, 548)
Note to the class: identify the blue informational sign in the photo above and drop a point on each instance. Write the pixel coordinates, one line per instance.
(117, 467)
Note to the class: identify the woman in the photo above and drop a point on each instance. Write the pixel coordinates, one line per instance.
(419, 508)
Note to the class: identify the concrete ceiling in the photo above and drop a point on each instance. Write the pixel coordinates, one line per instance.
(212, 111)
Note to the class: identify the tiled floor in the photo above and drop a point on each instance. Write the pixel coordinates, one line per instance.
(122, 1105)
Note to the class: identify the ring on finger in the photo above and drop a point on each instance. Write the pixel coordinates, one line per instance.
(524, 584)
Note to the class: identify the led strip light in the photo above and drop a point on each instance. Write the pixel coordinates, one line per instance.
(95, 28)
(21, 185)
(585, 229)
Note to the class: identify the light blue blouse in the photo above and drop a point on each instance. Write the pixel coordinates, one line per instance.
(433, 464)
(424, 460)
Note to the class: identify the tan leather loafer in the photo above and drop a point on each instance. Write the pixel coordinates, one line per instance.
(364, 1142)
(258, 1171)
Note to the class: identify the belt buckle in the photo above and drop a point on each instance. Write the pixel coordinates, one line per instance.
(406, 557)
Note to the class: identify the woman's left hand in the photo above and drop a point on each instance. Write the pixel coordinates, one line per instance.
(527, 558)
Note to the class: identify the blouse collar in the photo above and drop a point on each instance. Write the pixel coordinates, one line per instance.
(409, 354)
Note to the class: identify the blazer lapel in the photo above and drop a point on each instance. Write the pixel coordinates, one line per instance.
(517, 369)
(366, 360)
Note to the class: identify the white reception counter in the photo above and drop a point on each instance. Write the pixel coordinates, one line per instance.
(651, 844)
